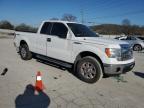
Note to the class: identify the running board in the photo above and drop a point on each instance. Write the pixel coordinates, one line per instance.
(58, 62)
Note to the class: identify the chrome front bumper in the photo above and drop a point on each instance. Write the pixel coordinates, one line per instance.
(118, 69)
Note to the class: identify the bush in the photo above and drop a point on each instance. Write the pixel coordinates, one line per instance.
(25, 28)
(6, 25)
(113, 29)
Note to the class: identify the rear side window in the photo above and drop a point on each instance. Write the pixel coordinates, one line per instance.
(130, 38)
(133, 38)
(123, 39)
(142, 38)
(60, 30)
(46, 28)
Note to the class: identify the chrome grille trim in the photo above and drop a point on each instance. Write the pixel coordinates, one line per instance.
(126, 52)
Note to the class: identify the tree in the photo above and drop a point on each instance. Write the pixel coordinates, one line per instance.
(6, 25)
(69, 17)
(108, 29)
(126, 26)
(25, 28)
(126, 22)
(54, 18)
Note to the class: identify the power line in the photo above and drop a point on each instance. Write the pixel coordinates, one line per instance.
(123, 14)
(108, 3)
(101, 5)
(112, 4)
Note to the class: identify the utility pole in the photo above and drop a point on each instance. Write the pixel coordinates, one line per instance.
(82, 16)
(92, 23)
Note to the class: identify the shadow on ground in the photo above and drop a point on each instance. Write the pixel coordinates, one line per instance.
(139, 74)
(70, 70)
(32, 99)
(140, 51)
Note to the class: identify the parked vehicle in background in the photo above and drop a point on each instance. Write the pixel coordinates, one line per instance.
(74, 45)
(141, 38)
(136, 42)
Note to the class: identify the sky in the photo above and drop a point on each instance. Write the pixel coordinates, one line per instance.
(32, 12)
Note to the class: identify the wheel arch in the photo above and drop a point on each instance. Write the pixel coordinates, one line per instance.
(87, 53)
(29, 54)
(136, 44)
(23, 42)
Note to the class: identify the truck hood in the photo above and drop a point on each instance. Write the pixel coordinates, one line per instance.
(101, 40)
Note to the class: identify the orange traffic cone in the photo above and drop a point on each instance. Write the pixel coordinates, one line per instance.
(39, 85)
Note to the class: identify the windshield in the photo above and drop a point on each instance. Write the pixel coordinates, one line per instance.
(80, 30)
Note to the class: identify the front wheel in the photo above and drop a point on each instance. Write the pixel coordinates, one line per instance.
(89, 69)
(25, 53)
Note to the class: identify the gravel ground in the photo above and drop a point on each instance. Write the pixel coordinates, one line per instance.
(63, 89)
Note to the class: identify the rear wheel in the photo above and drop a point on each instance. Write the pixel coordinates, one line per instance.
(137, 47)
(25, 53)
(89, 69)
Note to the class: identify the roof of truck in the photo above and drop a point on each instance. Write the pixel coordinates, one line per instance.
(59, 21)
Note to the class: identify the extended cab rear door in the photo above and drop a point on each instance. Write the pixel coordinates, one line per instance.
(44, 34)
(58, 46)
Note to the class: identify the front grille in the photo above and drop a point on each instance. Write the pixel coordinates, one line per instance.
(126, 52)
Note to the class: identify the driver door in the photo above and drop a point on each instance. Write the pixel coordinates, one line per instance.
(58, 46)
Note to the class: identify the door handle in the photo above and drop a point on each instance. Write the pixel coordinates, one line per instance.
(48, 39)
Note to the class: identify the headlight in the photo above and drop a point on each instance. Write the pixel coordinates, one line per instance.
(113, 53)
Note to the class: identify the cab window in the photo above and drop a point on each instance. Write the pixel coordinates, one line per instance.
(46, 28)
(59, 30)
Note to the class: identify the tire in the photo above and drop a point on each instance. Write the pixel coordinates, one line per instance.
(25, 53)
(137, 47)
(89, 70)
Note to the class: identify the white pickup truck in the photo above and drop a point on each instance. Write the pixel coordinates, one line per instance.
(75, 46)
